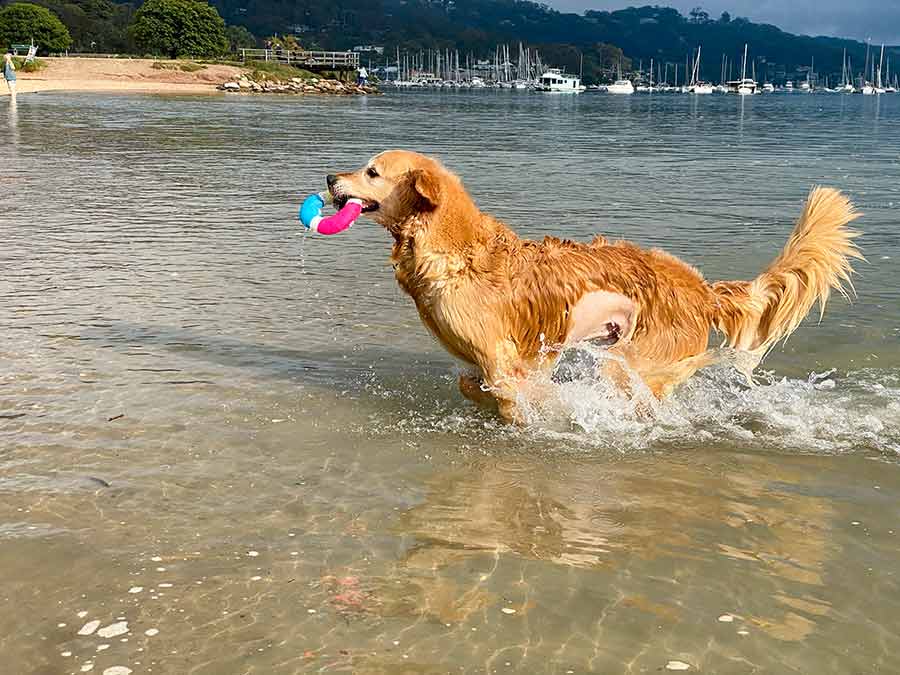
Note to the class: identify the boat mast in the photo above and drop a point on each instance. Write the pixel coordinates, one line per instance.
(866, 67)
(744, 64)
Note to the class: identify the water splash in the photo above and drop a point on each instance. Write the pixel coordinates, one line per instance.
(828, 412)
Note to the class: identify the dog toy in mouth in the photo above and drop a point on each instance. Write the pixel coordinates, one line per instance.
(311, 215)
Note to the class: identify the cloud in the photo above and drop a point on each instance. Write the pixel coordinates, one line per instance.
(858, 19)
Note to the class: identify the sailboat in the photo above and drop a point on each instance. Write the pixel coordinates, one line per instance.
(867, 87)
(846, 87)
(807, 87)
(620, 86)
(746, 85)
(696, 86)
(878, 88)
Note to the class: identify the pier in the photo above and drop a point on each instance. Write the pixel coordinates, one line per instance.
(311, 60)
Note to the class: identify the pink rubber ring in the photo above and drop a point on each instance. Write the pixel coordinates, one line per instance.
(341, 220)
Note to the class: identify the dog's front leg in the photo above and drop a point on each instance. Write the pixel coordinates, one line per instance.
(472, 387)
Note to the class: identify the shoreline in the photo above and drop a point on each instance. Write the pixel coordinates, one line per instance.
(107, 75)
(37, 85)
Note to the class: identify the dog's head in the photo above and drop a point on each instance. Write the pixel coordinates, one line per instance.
(396, 187)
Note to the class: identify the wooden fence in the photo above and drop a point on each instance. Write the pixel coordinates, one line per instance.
(306, 59)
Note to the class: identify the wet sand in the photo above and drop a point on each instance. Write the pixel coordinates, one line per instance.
(122, 75)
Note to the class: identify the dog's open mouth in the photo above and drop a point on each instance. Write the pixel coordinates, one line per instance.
(368, 205)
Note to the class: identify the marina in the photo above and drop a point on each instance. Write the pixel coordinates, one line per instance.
(430, 69)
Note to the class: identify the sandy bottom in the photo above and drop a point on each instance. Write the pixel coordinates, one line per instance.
(126, 75)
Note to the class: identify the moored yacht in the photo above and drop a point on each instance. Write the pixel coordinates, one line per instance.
(746, 85)
(556, 81)
(697, 86)
(621, 87)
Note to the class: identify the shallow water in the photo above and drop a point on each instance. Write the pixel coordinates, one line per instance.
(254, 429)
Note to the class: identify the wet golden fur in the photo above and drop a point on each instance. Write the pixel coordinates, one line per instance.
(495, 300)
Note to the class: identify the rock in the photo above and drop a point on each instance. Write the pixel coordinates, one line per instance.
(231, 86)
(678, 665)
(89, 628)
(244, 84)
(113, 629)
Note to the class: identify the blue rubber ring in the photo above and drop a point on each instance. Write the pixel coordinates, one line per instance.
(312, 207)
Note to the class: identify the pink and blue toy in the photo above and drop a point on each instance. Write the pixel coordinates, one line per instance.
(311, 215)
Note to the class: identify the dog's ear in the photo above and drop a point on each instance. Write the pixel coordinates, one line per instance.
(427, 185)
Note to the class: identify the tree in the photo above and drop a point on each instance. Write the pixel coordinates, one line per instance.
(95, 25)
(699, 15)
(179, 28)
(725, 18)
(22, 22)
(239, 38)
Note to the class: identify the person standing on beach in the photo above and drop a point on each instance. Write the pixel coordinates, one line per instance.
(362, 76)
(9, 73)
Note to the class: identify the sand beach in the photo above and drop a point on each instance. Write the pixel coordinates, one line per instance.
(122, 75)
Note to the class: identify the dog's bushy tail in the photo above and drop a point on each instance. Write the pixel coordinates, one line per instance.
(754, 315)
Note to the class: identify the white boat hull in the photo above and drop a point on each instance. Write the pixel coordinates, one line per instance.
(620, 88)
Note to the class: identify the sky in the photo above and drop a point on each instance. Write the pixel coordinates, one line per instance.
(859, 19)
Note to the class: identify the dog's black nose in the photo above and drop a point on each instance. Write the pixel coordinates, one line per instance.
(331, 179)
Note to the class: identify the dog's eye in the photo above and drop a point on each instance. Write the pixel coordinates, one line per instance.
(371, 172)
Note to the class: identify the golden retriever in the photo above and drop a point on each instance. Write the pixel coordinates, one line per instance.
(508, 306)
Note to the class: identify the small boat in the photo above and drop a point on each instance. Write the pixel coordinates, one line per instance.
(621, 87)
(846, 87)
(746, 85)
(556, 81)
(697, 86)
(768, 88)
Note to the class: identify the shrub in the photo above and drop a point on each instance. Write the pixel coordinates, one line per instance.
(31, 67)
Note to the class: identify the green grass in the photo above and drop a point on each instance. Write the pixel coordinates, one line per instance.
(184, 66)
(260, 71)
(33, 67)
